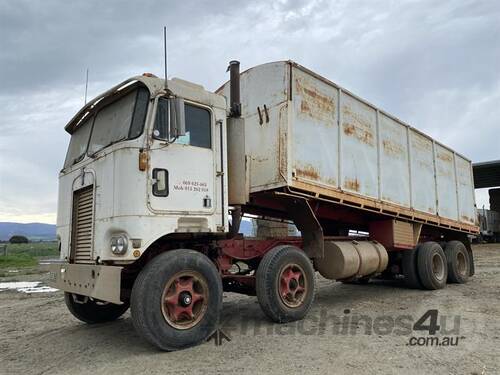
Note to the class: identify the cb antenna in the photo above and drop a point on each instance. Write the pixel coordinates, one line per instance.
(165, 55)
(86, 85)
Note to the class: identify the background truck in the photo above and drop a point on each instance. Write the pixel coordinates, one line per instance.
(489, 223)
(159, 173)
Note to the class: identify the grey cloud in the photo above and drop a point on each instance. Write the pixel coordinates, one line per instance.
(432, 64)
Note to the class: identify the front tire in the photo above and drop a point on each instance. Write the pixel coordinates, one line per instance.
(285, 284)
(92, 311)
(176, 300)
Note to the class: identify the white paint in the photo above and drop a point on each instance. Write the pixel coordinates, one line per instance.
(326, 136)
(26, 287)
(123, 199)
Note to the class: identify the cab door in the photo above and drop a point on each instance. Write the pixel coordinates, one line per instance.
(183, 170)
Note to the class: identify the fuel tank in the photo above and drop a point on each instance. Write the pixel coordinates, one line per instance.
(351, 259)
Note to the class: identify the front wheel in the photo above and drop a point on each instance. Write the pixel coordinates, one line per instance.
(91, 311)
(285, 284)
(176, 300)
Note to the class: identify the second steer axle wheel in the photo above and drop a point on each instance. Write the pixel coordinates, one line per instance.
(285, 284)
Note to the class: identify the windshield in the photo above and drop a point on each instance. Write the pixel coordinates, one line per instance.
(78, 144)
(122, 119)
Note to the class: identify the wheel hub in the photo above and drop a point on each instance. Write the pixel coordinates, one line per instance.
(292, 285)
(438, 266)
(185, 299)
(461, 264)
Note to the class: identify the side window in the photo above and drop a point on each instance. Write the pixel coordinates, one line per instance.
(198, 127)
(161, 122)
(140, 111)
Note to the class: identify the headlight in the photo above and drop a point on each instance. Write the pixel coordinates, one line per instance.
(119, 244)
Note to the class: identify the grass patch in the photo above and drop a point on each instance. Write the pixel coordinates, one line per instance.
(25, 255)
(35, 249)
(17, 261)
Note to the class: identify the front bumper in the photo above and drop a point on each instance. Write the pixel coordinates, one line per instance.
(100, 282)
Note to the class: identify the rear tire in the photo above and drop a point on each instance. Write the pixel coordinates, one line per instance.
(285, 284)
(93, 311)
(176, 300)
(410, 271)
(458, 261)
(432, 266)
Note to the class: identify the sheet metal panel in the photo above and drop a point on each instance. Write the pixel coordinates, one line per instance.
(446, 183)
(466, 199)
(315, 130)
(423, 181)
(359, 155)
(264, 89)
(394, 161)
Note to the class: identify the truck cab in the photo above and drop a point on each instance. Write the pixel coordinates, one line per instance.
(131, 176)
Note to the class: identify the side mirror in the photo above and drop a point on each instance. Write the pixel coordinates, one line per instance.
(177, 118)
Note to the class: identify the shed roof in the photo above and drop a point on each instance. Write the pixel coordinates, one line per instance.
(486, 174)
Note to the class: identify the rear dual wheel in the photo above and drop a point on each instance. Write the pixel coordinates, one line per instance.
(432, 266)
(459, 262)
(429, 267)
(425, 267)
(285, 284)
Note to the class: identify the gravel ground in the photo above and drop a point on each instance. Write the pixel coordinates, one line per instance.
(351, 329)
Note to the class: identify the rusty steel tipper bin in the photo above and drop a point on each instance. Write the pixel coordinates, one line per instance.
(306, 133)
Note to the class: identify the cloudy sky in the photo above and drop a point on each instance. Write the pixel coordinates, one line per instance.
(434, 64)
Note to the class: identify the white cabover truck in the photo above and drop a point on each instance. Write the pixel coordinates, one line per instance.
(158, 175)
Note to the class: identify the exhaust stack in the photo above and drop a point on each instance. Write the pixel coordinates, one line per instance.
(234, 95)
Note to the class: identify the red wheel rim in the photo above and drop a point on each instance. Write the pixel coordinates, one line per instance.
(184, 299)
(292, 286)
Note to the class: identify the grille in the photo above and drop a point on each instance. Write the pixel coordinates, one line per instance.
(81, 244)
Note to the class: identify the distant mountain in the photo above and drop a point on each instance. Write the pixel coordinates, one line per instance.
(34, 231)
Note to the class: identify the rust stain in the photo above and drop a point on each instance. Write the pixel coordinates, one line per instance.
(304, 107)
(308, 171)
(352, 184)
(421, 143)
(444, 156)
(392, 148)
(348, 199)
(361, 134)
(466, 218)
(282, 145)
(315, 104)
(357, 127)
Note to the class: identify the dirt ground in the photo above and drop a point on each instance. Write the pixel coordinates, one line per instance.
(351, 329)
